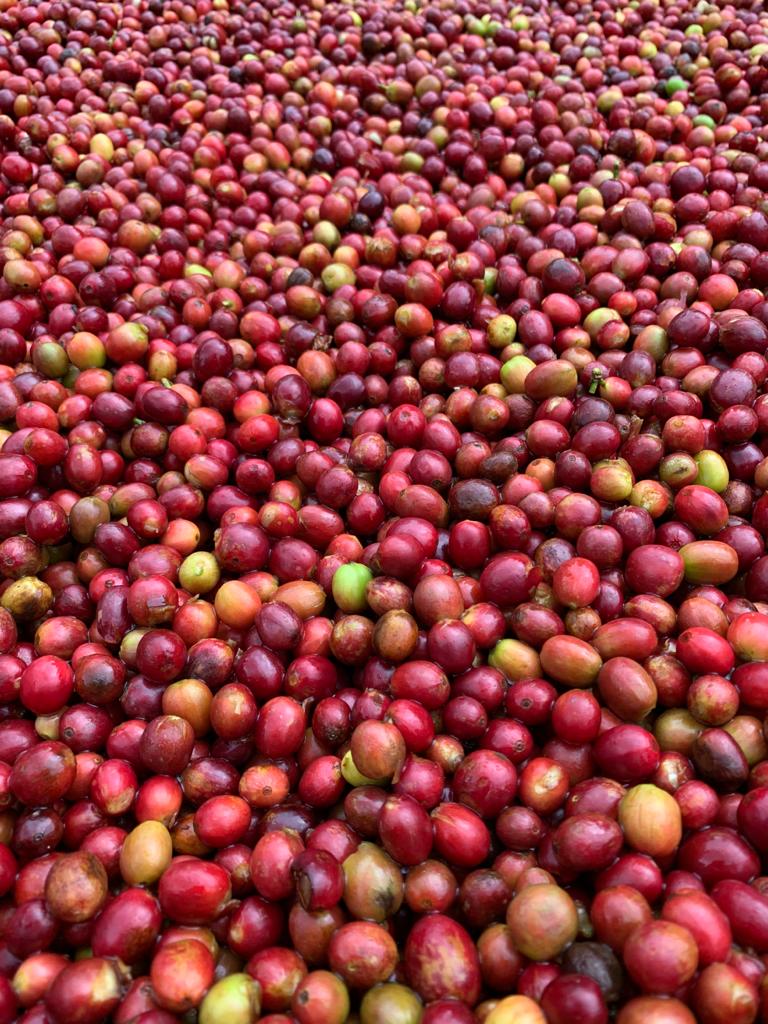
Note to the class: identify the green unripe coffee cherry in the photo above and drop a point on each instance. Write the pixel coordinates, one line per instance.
(390, 1004)
(199, 572)
(501, 330)
(675, 84)
(713, 472)
(514, 373)
(232, 1000)
(349, 586)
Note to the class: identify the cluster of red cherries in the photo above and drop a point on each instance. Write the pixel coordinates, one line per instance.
(383, 512)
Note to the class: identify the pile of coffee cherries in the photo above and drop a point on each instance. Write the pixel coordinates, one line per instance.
(383, 512)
